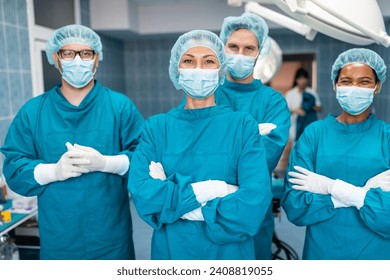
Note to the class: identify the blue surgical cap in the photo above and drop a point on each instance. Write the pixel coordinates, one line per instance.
(249, 21)
(73, 34)
(192, 39)
(359, 55)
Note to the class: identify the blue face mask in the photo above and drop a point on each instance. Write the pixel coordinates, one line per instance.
(77, 72)
(240, 66)
(354, 100)
(199, 83)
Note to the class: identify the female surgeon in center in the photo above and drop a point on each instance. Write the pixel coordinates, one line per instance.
(195, 176)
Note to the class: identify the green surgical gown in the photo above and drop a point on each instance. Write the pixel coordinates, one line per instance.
(87, 217)
(353, 153)
(266, 105)
(197, 145)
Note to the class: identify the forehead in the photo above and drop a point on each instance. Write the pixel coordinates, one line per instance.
(357, 70)
(76, 47)
(242, 36)
(200, 51)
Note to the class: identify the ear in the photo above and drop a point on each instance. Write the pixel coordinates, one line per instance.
(96, 61)
(57, 63)
(378, 87)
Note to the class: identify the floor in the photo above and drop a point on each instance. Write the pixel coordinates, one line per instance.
(286, 232)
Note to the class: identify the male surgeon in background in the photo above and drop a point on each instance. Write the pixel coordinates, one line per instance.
(246, 38)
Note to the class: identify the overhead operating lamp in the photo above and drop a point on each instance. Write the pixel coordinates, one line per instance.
(358, 22)
(266, 67)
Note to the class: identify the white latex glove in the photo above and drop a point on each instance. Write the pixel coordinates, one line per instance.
(305, 180)
(211, 189)
(266, 128)
(338, 204)
(71, 164)
(381, 180)
(348, 194)
(156, 171)
(118, 164)
(194, 215)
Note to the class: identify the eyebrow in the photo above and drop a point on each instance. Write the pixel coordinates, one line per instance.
(205, 56)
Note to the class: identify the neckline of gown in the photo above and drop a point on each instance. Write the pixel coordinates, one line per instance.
(197, 114)
(87, 102)
(351, 128)
(240, 88)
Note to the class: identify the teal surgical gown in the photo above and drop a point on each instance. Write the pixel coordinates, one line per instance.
(197, 145)
(267, 106)
(353, 153)
(87, 217)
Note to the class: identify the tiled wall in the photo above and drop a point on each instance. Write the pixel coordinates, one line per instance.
(146, 75)
(15, 70)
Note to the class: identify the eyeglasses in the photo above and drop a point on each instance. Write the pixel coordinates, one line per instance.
(71, 54)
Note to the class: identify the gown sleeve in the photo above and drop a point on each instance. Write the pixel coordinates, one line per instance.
(375, 211)
(131, 124)
(239, 215)
(275, 142)
(157, 201)
(305, 208)
(21, 156)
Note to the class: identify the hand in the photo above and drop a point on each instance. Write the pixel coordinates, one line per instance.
(71, 164)
(300, 112)
(381, 180)
(266, 128)
(156, 171)
(194, 215)
(306, 180)
(211, 189)
(97, 160)
(347, 194)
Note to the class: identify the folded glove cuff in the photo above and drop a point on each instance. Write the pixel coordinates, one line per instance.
(118, 164)
(45, 173)
(349, 194)
(338, 204)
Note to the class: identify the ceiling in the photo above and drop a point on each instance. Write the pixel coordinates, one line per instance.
(126, 19)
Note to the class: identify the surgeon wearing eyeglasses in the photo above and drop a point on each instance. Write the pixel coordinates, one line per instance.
(72, 146)
(199, 176)
(338, 175)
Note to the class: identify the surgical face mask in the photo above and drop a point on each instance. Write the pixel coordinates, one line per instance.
(77, 72)
(354, 100)
(240, 66)
(199, 83)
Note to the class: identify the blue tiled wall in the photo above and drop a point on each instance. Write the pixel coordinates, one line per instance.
(146, 75)
(111, 70)
(15, 69)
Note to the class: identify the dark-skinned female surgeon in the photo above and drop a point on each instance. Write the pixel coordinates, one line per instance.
(339, 188)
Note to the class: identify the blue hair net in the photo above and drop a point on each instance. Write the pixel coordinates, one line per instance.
(249, 21)
(193, 39)
(73, 34)
(359, 55)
